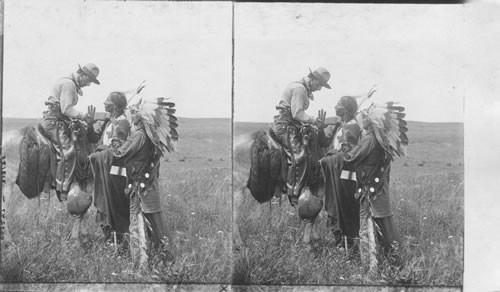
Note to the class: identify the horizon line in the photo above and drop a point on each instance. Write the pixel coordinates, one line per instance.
(37, 118)
(238, 121)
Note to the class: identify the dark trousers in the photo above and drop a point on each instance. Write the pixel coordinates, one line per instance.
(159, 233)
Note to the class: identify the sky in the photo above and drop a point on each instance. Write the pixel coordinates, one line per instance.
(414, 54)
(182, 50)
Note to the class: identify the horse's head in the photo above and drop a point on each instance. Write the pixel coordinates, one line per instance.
(309, 134)
(78, 130)
(83, 148)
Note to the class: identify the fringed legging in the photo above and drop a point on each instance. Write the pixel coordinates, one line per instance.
(373, 231)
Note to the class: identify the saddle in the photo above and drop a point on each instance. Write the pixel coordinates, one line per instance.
(312, 155)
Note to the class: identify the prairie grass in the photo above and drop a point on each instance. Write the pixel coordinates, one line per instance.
(427, 202)
(196, 199)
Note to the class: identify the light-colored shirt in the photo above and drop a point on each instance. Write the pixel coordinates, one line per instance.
(297, 97)
(340, 136)
(110, 132)
(66, 92)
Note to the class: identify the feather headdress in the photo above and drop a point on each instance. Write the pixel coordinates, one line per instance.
(388, 124)
(159, 122)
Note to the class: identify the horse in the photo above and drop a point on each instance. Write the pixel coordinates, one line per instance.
(259, 167)
(33, 174)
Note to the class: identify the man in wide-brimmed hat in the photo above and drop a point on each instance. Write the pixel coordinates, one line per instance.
(292, 106)
(60, 110)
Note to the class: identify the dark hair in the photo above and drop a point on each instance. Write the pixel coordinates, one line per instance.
(119, 100)
(349, 103)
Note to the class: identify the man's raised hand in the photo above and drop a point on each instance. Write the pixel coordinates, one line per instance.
(320, 121)
(90, 114)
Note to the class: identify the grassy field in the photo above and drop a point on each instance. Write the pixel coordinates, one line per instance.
(196, 197)
(427, 194)
(427, 197)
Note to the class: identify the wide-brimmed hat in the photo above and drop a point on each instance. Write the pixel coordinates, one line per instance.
(92, 71)
(322, 75)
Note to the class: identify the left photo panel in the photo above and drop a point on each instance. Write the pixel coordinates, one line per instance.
(116, 138)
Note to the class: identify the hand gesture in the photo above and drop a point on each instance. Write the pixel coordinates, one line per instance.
(320, 121)
(90, 114)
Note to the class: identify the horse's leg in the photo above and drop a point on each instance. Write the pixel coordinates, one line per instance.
(316, 229)
(84, 226)
(75, 231)
(308, 232)
(311, 230)
(84, 219)
(316, 223)
(80, 226)
(79, 198)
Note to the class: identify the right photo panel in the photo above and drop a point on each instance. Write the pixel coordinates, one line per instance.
(348, 144)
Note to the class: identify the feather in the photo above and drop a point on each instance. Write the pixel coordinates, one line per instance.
(400, 115)
(171, 118)
(173, 124)
(396, 108)
(402, 123)
(173, 135)
(404, 138)
(159, 122)
(389, 127)
(167, 104)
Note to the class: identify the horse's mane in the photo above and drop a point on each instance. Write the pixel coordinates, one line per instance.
(265, 167)
(241, 147)
(83, 170)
